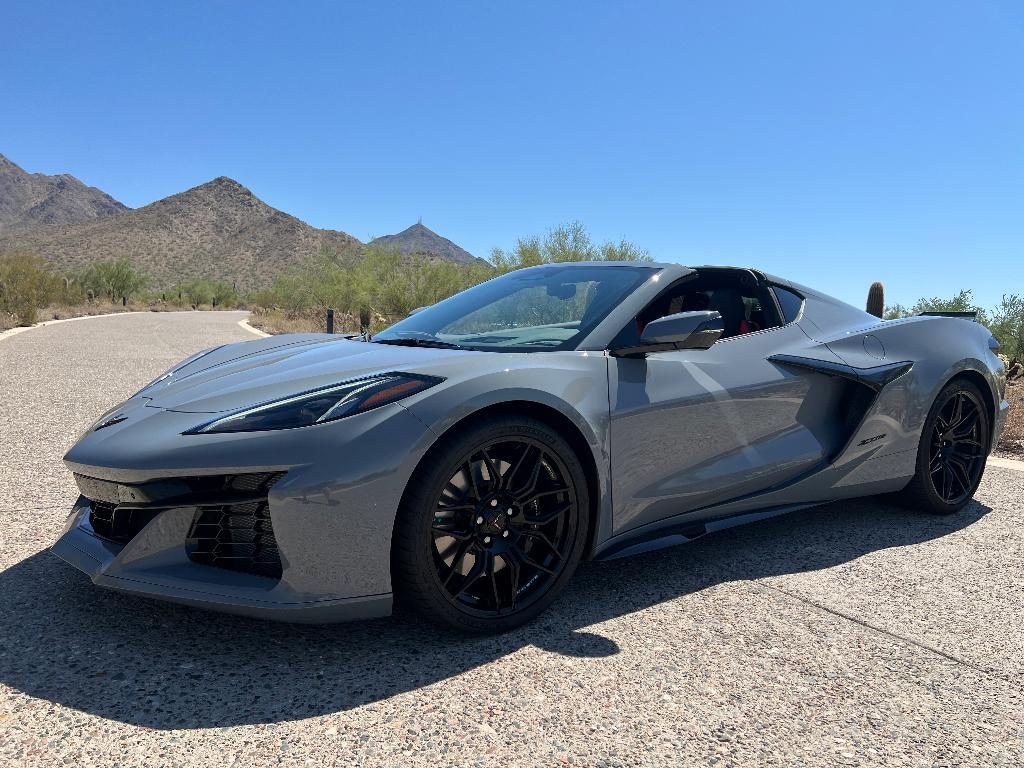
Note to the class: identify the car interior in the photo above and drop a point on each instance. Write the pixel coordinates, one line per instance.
(744, 301)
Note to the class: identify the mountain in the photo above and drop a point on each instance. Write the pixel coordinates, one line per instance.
(218, 230)
(30, 200)
(419, 240)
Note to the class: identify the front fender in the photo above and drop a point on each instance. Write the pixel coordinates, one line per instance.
(574, 385)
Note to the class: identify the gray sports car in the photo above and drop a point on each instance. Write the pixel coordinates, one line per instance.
(465, 460)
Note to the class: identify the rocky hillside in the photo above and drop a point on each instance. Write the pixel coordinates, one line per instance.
(218, 230)
(31, 200)
(420, 241)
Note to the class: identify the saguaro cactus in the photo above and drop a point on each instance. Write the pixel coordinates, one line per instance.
(876, 300)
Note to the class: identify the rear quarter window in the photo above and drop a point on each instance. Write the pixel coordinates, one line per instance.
(789, 302)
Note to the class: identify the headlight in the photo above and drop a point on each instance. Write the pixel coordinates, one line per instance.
(319, 406)
(171, 371)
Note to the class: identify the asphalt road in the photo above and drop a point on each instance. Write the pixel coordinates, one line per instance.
(854, 634)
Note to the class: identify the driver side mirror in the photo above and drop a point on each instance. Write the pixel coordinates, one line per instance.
(684, 330)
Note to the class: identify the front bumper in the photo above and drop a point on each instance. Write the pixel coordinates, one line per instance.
(154, 564)
(332, 514)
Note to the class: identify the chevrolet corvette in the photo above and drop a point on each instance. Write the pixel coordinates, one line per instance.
(465, 460)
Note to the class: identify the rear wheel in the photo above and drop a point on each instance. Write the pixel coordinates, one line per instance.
(492, 526)
(951, 454)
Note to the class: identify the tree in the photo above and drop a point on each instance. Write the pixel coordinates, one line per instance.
(224, 294)
(569, 242)
(114, 279)
(1007, 325)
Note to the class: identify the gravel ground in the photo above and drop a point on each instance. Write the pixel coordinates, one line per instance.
(854, 634)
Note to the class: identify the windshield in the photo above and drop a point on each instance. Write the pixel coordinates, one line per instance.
(542, 308)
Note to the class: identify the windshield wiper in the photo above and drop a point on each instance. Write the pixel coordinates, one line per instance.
(418, 341)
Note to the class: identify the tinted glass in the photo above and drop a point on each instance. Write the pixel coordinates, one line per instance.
(790, 303)
(544, 308)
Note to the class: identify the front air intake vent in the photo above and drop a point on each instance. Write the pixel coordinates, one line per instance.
(239, 537)
(230, 527)
(119, 524)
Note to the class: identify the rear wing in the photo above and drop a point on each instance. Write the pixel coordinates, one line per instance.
(971, 315)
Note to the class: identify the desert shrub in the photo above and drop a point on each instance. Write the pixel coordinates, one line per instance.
(26, 285)
(113, 279)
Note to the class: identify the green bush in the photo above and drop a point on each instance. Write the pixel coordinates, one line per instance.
(569, 242)
(114, 279)
(26, 285)
(1007, 325)
(202, 292)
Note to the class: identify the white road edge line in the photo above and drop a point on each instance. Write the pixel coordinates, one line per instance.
(22, 328)
(997, 461)
(245, 324)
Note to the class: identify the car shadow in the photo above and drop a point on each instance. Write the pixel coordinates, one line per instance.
(164, 666)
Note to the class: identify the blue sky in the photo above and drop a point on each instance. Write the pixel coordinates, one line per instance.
(835, 143)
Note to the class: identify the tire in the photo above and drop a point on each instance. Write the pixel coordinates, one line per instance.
(951, 454)
(492, 525)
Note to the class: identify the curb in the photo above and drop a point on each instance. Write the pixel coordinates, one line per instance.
(245, 324)
(23, 328)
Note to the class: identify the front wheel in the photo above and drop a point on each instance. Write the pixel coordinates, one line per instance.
(492, 527)
(952, 451)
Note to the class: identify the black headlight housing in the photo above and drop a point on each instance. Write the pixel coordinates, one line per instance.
(320, 406)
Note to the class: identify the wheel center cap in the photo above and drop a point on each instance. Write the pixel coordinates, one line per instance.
(494, 522)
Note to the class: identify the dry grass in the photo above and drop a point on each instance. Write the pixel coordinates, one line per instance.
(275, 321)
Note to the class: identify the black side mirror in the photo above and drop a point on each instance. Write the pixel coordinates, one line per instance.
(684, 330)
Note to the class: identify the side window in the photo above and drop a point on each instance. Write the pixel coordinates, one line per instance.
(789, 302)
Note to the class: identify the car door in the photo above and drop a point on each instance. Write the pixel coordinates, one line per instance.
(690, 429)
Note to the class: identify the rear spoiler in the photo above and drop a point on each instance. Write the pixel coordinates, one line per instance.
(972, 315)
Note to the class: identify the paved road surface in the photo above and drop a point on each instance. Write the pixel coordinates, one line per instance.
(855, 634)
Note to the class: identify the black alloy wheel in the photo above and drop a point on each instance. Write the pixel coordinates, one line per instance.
(957, 453)
(952, 452)
(502, 525)
(499, 531)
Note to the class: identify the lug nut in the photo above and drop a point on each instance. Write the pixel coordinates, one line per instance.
(510, 511)
(487, 539)
(504, 534)
(494, 502)
(479, 521)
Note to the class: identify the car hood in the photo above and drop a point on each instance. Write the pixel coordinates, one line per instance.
(239, 375)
